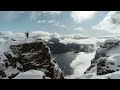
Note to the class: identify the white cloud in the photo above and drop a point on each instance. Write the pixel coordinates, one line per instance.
(53, 13)
(58, 24)
(32, 15)
(80, 16)
(51, 21)
(63, 26)
(79, 29)
(41, 21)
(36, 14)
(81, 63)
(110, 23)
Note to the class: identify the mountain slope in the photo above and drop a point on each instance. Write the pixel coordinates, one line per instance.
(106, 63)
(24, 55)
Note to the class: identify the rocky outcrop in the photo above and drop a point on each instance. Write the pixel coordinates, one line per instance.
(21, 56)
(107, 58)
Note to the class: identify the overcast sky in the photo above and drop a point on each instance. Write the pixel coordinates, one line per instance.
(92, 23)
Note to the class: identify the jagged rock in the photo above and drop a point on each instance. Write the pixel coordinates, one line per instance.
(106, 59)
(27, 55)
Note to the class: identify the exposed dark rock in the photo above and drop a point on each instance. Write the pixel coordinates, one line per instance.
(56, 47)
(2, 72)
(101, 62)
(13, 75)
(33, 55)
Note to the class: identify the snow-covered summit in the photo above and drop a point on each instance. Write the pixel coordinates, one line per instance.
(28, 54)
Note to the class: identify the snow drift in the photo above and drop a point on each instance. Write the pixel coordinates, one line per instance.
(31, 74)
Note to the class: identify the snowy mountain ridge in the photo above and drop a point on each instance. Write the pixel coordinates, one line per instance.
(106, 63)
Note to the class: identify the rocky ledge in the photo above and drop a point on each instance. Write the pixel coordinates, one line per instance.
(20, 56)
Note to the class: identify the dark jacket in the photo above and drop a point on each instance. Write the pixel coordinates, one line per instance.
(27, 34)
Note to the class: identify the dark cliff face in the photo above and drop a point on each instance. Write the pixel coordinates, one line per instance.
(56, 47)
(105, 60)
(26, 56)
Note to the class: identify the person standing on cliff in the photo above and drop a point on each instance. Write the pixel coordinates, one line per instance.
(27, 34)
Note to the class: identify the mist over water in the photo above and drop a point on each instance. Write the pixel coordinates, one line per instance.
(80, 64)
(64, 60)
(75, 64)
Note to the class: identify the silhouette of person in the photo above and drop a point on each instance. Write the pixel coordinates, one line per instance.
(27, 34)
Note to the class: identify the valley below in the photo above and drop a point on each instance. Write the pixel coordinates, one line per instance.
(52, 57)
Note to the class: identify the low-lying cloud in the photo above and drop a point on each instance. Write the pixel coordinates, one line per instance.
(80, 64)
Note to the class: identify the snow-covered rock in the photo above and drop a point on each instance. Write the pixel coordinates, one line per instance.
(31, 74)
(106, 61)
(23, 55)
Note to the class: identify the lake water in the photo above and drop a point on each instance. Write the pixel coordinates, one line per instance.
(64, 61)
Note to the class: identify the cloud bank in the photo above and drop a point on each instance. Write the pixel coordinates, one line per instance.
(110, 23)
(80, 16)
